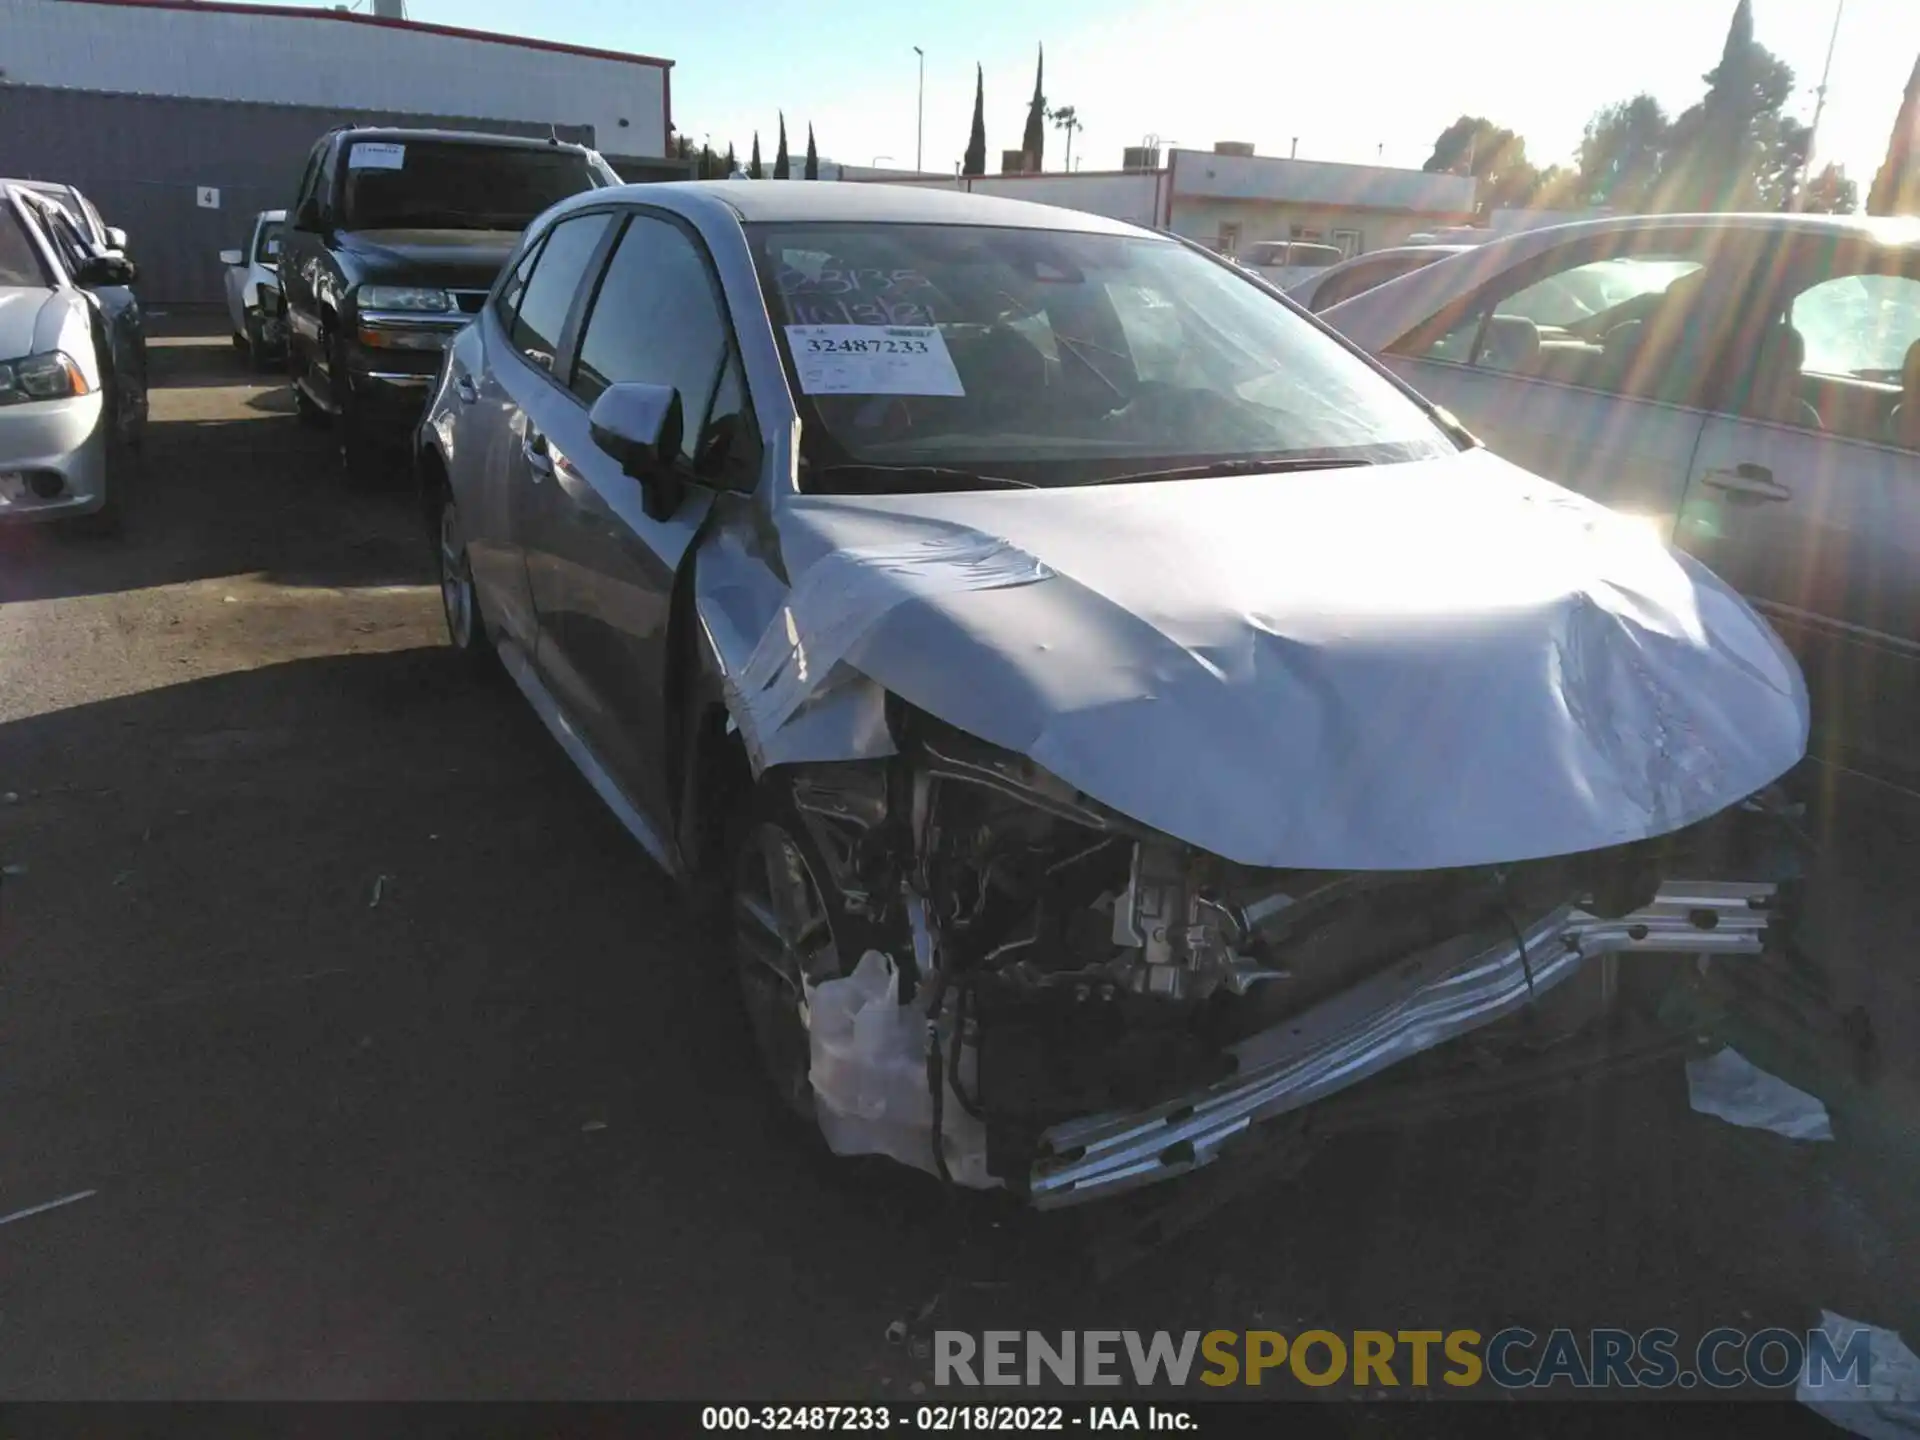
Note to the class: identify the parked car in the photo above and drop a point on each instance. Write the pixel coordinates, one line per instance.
(1330, 286)
(71, 418)
(259, 327)
(395, 237)
(1190, 730)
(1288, 262)
(85, 213)
(1749, 382)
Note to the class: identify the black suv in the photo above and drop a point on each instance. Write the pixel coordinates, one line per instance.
(396, 237)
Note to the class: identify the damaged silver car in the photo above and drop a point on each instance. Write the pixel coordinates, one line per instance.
(1109, 711)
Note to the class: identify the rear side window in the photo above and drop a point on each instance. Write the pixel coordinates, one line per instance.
(656, 319)
(19, 260)
(507, 304)
(1359, 279)
(562, 264)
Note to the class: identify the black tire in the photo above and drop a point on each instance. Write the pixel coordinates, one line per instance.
(258, 356)
(308, 413)
(768, 849)
(467, 631)
(366, 464)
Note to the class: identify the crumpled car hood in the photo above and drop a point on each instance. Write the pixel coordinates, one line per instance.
(1414, 666)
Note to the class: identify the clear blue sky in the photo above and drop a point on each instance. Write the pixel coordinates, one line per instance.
(1345, 76)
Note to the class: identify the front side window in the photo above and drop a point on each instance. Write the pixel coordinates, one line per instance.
(408, 184)
(266, 245)
(1054, 357)
(20, 262)
(561, 266)
(658, 320)
(1619, 323)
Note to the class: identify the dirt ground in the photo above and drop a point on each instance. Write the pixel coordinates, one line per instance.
(394, 1070)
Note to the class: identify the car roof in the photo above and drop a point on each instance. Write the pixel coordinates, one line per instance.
(1892, 231)
(755, 201)
(1397, 251)
(455, 137)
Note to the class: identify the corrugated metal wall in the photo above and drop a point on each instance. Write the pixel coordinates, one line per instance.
(143, 158)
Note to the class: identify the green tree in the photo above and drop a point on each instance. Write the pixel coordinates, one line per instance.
(1831, 192)
(1068, 119)
(755, 171)
(976, 159)
(1494, 156)
(1735, 149)
(1896, 184)
(812, 172)
(1034, 143)
(1621, 155)
(782, 167)
(733, 165)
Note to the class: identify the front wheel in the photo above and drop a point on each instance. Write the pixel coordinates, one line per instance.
(459, 600)
(258, 356)
(785, 915)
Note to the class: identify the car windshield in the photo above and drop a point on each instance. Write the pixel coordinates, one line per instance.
(19, 260)
(439, 184)
(1054, 357)
(266, 247)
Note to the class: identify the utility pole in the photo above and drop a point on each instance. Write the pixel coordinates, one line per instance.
(920, 123)
(1819, 104)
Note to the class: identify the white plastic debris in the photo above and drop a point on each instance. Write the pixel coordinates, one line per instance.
(1732, 1087)
(379, 889)
(41, 1209)
(869, 1075)
(1887, 1405)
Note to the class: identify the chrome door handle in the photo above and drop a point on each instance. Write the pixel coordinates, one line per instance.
(1753, 482)
(539, 462)
(464, 387)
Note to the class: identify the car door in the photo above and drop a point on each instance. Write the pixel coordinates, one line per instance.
(1578, 364)
(1813, 509)
(602, 550)
(300, 257)
(488, 471)
(118, 311)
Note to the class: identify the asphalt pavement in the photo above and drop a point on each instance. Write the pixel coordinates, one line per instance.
(388, 1068)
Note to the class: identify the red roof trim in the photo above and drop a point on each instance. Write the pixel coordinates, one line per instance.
(418, 27)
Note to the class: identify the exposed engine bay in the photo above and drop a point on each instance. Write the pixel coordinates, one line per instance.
(1084, 992)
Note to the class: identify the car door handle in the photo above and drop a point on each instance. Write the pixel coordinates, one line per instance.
(1755, 482)
(539, 461)
(464, 387)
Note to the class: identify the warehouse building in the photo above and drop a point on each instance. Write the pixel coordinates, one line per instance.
(181, 119)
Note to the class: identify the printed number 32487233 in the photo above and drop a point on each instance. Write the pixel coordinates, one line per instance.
(818, 346)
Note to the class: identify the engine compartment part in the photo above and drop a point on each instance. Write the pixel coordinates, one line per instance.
(1078, 1005)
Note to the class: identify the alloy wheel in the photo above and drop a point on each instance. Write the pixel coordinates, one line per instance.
(456, 580)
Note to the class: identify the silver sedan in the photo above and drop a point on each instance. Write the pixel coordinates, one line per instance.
(1108, 710)
(68, 418)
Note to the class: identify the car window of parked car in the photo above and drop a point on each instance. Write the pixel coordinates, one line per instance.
(20, 262)
(266, 245)
(1859, 338)
(658, 318)
(443, 184)
(558, 271)
(506, 304)
(74, 247)
(308, 176)
(1619, 323)
(1360, 278)
(1059, 357)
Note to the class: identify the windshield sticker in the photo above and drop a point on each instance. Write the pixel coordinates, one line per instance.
(872, 360)
(819, 292)
(365, 156)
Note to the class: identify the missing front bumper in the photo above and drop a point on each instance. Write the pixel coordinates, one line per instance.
(1417, 1005)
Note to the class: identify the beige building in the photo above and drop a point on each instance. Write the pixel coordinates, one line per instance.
(1232, 199)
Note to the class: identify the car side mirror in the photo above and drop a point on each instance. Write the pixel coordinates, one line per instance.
(231, 258)
(103, 269)
(638, 425)
(116, 238)
(641, 426)
(307, 217)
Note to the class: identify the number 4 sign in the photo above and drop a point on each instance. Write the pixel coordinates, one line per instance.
(207, 197)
